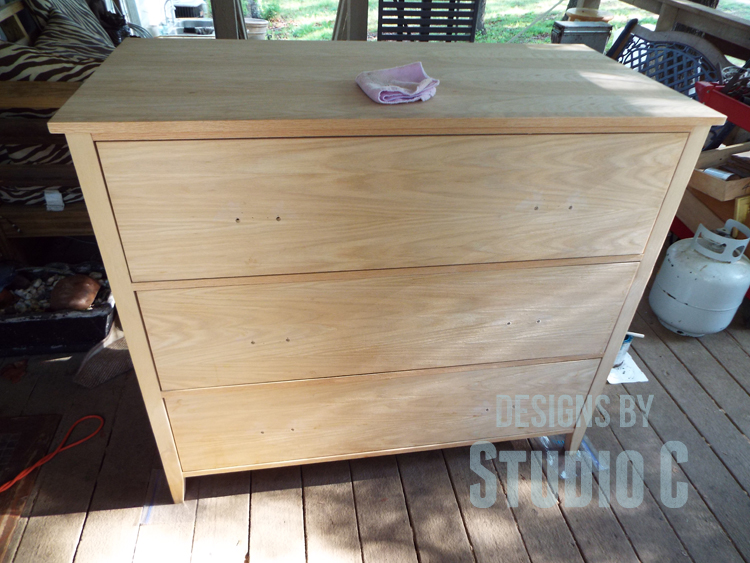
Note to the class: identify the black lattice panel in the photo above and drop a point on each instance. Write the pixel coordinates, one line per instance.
(427, 20)
(672, 64)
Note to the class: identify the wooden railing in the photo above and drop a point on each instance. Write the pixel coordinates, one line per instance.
(731, 34)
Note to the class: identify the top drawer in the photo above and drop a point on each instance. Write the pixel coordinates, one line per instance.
(225, 208)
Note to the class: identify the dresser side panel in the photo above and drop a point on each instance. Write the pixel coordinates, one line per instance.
(94, 189)
(667, 212)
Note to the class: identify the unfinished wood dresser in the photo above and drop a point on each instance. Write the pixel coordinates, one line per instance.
(305, 275)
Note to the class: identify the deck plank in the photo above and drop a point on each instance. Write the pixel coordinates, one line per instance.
(384, 528)
(493, 532)
(597, 532)
(330, 516)
(357, 511)
(222, 519)
(166, 530)
(649, 530)
(711, 485)
(277, 528)
(729, 354)
(725, 439)
(66, 483)
(439, 532)
(111, 528)
(739, 332)
(14, 396)
(709, 373)
(544, 531)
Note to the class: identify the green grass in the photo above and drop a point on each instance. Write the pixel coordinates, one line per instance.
(313, 19)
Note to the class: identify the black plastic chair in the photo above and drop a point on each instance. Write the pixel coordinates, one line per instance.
(673, 58)
(427, 20)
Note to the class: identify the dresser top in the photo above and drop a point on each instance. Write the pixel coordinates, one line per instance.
(181, 88)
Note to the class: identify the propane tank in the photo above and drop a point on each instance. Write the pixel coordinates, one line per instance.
(702, 281)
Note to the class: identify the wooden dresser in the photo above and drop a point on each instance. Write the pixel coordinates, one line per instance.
(305, 275)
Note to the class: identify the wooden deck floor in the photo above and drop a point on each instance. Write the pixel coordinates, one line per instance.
(106, 500)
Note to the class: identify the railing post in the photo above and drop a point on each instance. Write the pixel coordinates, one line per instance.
(351, 21)
(667, 18)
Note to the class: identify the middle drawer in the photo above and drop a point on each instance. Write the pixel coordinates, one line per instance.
(210, 336)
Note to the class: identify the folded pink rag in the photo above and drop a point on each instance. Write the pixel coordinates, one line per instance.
(399, 85)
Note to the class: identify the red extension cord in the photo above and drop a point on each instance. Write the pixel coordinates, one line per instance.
(61, 448)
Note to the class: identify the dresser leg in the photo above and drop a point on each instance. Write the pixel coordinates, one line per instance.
(574, 439)
(177, 489)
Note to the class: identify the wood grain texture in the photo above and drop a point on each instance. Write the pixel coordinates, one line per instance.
(651, 531)
(330, 516)
(45, 389)
(692, 212)
(384, 273)
(277, 529)
(708, 373)
(719, 189)
(595, 528)
(716, 426)
(224, 336)
(493, 532)
(66, 483)
(282, 206)
(439, 532)
(711, 528)
(37, 95)
(167, 530)
(264, 423)
(486, 88)
(111, 528)
(732, 357)
(663, 222)
(33, 437)
(545, 533)
(222, 519)
(383, 521)
(97, 202)
(36, 221)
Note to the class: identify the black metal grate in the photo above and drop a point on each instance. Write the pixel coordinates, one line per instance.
(675, 65)
(427, 20)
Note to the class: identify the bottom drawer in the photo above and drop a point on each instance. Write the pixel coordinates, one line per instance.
(291, 422)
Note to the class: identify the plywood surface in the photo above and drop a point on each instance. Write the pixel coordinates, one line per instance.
(279, 206)
(230, 335)
(97, 202)
(256, 424)
(280, 88)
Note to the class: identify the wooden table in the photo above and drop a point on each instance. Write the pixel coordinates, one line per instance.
(305, 275)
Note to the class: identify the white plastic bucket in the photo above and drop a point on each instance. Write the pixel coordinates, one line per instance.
(256, 28)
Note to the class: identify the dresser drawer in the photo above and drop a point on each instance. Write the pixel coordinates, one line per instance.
(227, 208)
(206, 337)
(348, 416)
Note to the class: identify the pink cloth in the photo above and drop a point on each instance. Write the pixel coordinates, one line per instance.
(399, 85)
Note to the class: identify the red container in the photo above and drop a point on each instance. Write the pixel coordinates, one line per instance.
(737, 112)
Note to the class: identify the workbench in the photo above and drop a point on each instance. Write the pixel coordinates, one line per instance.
(304, 275)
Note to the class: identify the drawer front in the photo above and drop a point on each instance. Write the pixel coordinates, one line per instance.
(226, 208)
(299, 330)
(349, 416)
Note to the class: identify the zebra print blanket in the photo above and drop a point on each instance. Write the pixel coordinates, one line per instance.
(52, 61)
